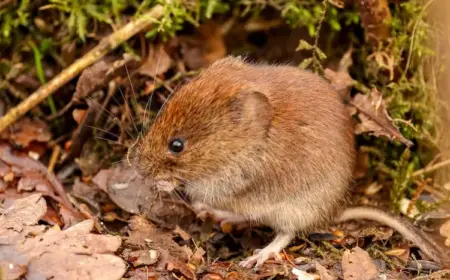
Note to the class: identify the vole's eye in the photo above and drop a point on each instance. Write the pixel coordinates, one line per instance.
(176, 145)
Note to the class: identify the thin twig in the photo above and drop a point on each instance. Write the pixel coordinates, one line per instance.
(317, 66)
(54, 158)
(413, 35)
(106, 45)
(431, 168)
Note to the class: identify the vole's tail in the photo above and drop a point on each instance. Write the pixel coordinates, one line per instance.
(406, 229)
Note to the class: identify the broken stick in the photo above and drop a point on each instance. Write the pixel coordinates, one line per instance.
(106, 45)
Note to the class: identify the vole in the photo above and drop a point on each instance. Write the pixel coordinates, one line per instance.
(273, 145)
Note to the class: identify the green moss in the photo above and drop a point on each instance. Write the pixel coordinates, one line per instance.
(11, 18)
(409, 93)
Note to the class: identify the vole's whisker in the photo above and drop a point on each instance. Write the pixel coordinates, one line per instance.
(111, 141)
(148, 105)
(118, 161)
(127, 108)
(108, 113)
(182, 199)
(133, 94)
(102, 130)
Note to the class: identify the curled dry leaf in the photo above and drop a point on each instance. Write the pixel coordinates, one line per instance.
(99, 74)
(357, 265)
(157, 62)
(374, 117)
(26, 130)
(341, 80)
(183, 234)
(197, 257)
(91, 79)
(28, 165)
(139, 195)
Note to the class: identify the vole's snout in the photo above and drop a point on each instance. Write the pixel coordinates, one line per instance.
(139, 161)
(142, 160)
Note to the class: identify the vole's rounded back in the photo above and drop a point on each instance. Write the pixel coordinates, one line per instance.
(267, 144)
(271, 143)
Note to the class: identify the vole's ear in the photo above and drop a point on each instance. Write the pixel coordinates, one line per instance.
(251, 108)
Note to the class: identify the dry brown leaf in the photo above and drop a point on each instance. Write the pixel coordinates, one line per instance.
(182, 233)
(99, 74)
(138, 195)
(376, 18)
(26, 164)
(21, 214)
(4, 169)
(202, 48)
(324, 273)
(91, 79)
(75, 246)
(34, 181)
(156, 63)
(26, 130)
(11, 271)
(178, 267)
(374, 117)
(197, 257)
(74, 253)
(68, 266)
(101, 180)
(357, 265)
(3, 186)
(341, 80)
(143, 233)
(76, 239)
(172, 257)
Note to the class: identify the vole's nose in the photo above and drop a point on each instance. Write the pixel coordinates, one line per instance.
(165, 183)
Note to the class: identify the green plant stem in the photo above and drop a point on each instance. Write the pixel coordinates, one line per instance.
(318, 68)
(40, 73)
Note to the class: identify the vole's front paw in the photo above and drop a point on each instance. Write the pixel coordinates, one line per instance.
(224, 217)
(259, 257)
(202, 210)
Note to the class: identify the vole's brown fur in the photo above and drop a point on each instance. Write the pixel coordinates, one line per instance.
(271, 144)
